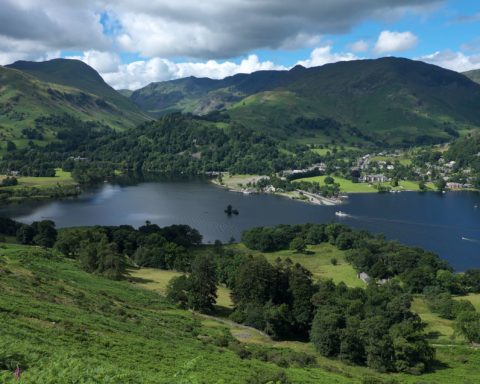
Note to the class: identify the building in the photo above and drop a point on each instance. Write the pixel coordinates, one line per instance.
(364, 277)
(380, 178)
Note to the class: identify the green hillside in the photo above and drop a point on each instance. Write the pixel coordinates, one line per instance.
(63, 325)
(34, 109)
(388, 100)
(474, 75)
(77, 74)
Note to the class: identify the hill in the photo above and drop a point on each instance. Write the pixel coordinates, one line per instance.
(474, 75)
(388, 101)
(77, 74)
(60, 324)
(39, 99)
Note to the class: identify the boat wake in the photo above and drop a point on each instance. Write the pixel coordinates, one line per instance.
(471, 240)
(413, 223)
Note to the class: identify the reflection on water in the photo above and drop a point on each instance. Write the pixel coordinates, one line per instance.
(446, 224)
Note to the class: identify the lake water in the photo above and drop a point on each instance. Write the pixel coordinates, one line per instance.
(433, 221)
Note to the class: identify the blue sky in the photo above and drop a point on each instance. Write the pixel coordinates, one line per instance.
(134, 42)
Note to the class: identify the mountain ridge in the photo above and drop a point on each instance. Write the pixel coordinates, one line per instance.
(397, 100)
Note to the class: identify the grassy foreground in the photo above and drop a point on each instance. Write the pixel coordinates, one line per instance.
(62, 325)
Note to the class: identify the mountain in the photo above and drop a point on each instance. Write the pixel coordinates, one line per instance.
(389, 100)
(474, 75)
(38, 97)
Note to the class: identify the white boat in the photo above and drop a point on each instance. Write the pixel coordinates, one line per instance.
(340, 214)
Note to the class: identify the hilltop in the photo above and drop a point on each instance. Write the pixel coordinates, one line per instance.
(39, 99)
(474, 75)
(387, 101)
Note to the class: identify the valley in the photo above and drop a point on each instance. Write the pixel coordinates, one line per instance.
(125, 256)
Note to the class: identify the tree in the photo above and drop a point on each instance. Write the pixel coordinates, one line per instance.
(468, 325)
(412, 353)
(45, 233)
(298, 245)
(203, 284)
(25, 234)
(440, 184)
(11, 146)
(326, 331)
(178, 289)
(253, 282)
(329, 180)
(9, 181)
(301, 290)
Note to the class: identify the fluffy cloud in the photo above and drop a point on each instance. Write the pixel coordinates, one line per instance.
(140, 73)
(324, 55)
(456, 61)
(103, 62)
(222, 29)
(29, 28)
(389, 42)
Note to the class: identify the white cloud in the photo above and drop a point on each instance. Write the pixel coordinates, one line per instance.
(389, 42)
(456, 61)
(324, 55)
(140, 73)
(103, 62)
(360, 46)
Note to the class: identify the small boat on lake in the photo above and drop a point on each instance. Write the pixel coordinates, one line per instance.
(340, 214)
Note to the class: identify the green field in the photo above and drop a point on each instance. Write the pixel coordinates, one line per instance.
(347, 186)
(61, 178)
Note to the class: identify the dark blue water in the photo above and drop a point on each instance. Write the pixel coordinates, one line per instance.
(433, 221)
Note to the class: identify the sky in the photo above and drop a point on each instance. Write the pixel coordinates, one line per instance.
(132, 43)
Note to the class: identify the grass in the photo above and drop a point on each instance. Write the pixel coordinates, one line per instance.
(318, 261)
(347, 186)
(441, 330)
(63, 325)
(61, 178)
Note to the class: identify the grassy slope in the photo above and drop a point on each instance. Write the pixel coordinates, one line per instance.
(24, 98)
(77, 74)
(64, 324)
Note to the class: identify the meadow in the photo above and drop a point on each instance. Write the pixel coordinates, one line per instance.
(347, 186)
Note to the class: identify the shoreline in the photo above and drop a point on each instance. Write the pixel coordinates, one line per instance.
(297, 195)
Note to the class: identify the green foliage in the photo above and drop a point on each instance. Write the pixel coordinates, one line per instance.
(374, 327)
(468, 325)
(202, 292)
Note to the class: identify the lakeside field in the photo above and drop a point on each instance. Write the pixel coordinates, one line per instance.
(61, 178)
(237, 182)
(347, 186)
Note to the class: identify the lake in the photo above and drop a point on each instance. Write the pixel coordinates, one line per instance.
(447, 224)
